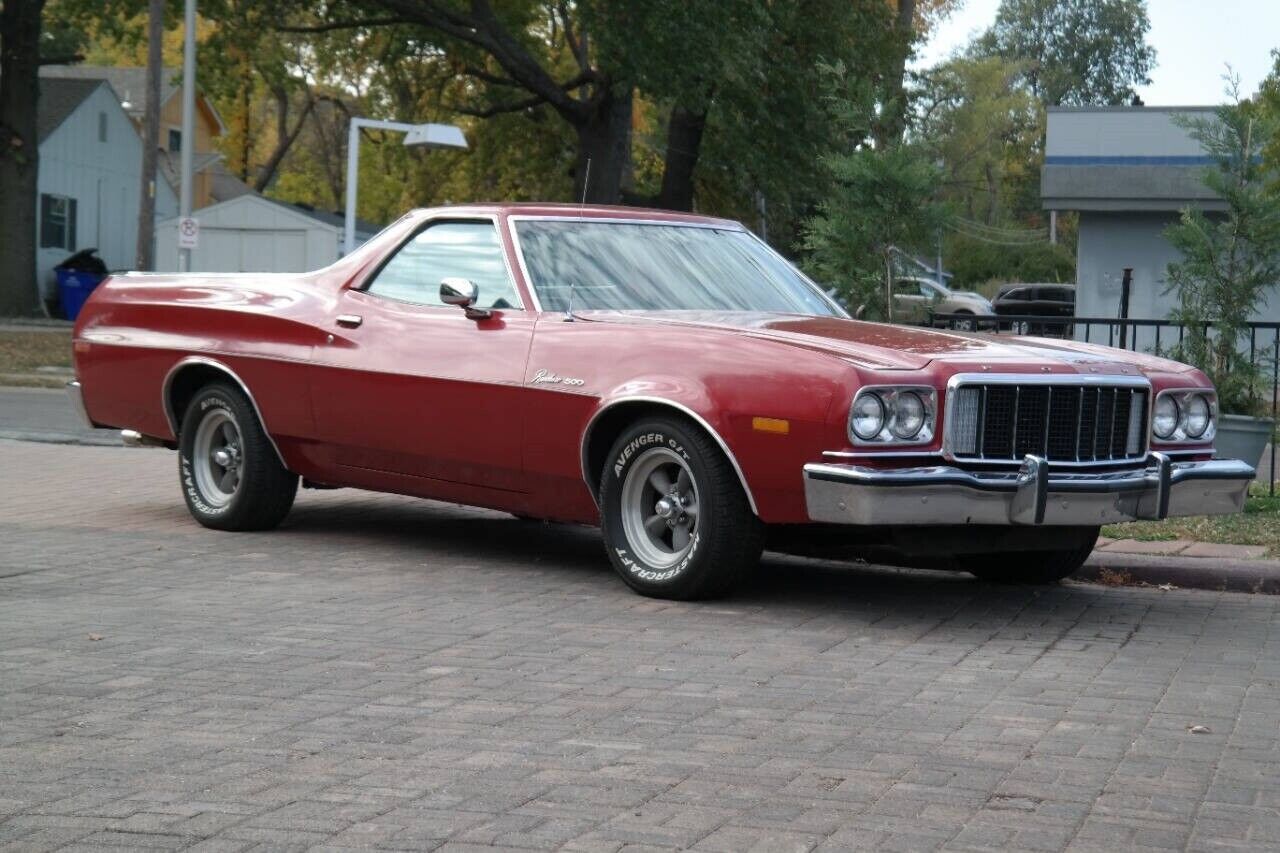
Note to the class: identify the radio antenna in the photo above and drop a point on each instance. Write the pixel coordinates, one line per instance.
(586, 183)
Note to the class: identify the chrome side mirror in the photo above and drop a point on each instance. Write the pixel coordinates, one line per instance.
(463, 293)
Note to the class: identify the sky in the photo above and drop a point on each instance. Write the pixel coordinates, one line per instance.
(1194, 42)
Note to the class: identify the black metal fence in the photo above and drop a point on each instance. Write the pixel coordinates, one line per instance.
(1156, 337)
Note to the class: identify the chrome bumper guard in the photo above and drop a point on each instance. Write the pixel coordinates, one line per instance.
(851, 494)
(77, 404)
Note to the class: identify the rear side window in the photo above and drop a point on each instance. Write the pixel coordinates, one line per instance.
(1056, 294)
(469, 250)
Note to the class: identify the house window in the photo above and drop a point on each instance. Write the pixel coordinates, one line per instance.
(175, 140)
(102, 127)
(57, 222)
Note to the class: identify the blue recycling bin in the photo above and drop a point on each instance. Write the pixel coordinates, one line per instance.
(74, 287)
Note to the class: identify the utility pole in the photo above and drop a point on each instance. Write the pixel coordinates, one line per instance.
(188, 123)
(144, 257)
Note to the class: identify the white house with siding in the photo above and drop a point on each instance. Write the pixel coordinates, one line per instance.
(253, 233)
(90, 177)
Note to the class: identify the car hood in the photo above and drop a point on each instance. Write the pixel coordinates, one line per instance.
(887, 347)
(967, 296)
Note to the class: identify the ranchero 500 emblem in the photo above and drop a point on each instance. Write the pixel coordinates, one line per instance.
(544, 376)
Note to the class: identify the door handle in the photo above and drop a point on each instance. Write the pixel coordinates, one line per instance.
(349, 321)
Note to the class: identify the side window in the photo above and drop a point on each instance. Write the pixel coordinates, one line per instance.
(469, 250)
(911, 287)
(57, 222)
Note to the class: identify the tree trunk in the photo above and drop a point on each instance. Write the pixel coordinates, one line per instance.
(246, 121)
(893, 122)
(144, 257)
(604, 141)
(284, 137)
(684, 141)
(19, 155)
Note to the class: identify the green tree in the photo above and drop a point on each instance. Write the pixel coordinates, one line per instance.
(1074, 52)
(986, 130)
(1269, 101)
(1231, 260)
(881, 198)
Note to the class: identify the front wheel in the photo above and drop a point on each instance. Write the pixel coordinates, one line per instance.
(231, 477)
(676, 521)
(1032, 567)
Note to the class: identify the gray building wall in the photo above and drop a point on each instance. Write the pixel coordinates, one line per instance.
(1129, 172)
(1109, 242)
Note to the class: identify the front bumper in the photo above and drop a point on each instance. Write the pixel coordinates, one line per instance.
(850, 494)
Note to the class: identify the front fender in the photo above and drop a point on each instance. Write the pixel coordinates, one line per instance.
(688, 399)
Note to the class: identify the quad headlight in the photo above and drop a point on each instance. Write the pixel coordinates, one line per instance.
(1164, 422)
(890, 414)
(1184, 416)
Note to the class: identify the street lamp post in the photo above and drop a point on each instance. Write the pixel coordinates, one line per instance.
(417, 136)
(187, 151)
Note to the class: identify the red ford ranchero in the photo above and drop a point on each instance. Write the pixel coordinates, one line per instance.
(666, 376)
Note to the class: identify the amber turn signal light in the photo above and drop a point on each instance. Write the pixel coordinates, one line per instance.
(774, 425)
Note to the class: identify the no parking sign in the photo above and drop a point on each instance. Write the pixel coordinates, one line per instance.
(188, 232)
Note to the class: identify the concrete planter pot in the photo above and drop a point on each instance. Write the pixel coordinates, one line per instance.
(1243, 437)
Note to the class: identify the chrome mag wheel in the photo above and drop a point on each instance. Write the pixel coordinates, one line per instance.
(217, 457)
(660, 507)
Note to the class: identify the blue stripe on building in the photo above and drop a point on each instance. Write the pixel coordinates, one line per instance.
(1089, 160)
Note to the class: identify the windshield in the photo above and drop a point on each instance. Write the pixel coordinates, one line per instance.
(645, 267)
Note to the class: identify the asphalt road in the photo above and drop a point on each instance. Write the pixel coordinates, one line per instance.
(43, 414)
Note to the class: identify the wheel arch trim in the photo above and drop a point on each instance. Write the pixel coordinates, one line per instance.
(670, 404)
(205, 361)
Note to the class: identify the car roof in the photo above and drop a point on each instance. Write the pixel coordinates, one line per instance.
(585, 211)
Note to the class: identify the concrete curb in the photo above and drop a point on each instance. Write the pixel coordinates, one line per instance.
(109, 438)
(1257, 576)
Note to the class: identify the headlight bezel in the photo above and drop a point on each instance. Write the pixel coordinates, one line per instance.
(888, 397)
(1156, 432)
(1183, 399)
(855, 416)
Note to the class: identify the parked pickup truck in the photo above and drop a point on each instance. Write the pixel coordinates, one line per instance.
(668, 377)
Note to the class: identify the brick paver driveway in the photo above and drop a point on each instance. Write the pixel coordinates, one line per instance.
(402, 674)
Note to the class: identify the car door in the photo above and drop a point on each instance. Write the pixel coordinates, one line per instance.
(410, 386)
(910, 301)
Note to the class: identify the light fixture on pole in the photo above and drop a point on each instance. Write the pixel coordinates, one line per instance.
(416, 136)
(187, 142)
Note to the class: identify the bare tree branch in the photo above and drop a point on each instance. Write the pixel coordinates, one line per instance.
(498, 109)
(494, 79)
(483, 29)
(62, 59)
(285, 141)
(340, 25)
(576, 45)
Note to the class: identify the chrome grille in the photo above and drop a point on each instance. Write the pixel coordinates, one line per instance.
(1063, 422)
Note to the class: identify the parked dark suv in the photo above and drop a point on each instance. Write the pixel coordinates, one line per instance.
(1037, 300)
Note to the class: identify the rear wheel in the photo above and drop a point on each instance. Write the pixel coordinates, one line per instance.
(231, 477)
(676, 521)
(1032, 567)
